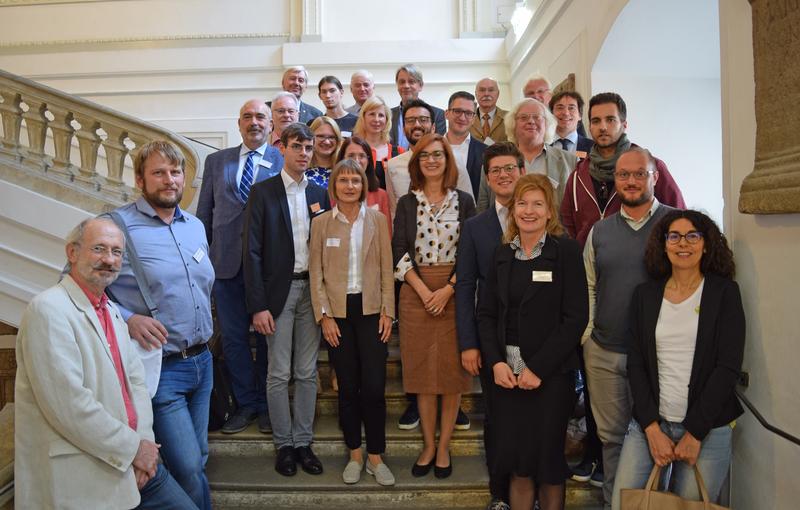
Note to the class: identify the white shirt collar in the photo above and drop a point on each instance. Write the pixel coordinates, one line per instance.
(502, 215)
(244, 150)
(644, 218)
(362, 211)
(288, 181)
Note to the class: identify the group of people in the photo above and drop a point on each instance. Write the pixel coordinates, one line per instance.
(505, 245)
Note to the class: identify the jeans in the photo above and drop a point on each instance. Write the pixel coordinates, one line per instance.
(293, 353)
(180, 422)
(248, 378)
(635, 463)
(162, 492)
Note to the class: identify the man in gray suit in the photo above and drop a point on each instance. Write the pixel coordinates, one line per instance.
(295, 80)
(227, 179)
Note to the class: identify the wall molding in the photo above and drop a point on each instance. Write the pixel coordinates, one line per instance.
(21, 3)
(277, 38)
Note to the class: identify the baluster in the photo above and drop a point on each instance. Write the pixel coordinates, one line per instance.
(88, 144)
(12, 119)
(62, 140)
(36, 124)
(115, 153)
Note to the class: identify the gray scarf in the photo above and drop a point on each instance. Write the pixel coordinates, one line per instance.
(602, 169)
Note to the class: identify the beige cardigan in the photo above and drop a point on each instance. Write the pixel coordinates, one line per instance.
(328, 266)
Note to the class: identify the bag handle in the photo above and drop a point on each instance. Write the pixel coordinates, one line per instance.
(655, 476)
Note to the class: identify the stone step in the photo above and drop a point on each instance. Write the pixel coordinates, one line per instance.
(328, 439)
(249, 481)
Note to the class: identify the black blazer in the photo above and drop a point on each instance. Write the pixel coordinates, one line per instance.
(554, 313)
(268, 246)
(475, 163)
(718, 354)
(584, 144)
(405, 223)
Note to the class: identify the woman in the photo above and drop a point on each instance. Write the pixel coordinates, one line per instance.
(373, 125)
(352, 291)
(530, 324)
(686, 349)
(327, 140)
(426, 231)
(358, 150)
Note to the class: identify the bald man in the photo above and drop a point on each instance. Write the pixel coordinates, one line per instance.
(488, 126)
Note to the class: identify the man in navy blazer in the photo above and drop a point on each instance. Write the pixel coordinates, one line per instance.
(295, 80)
(468, 151)
(277, 232)
(567, 107)
(223, 196)
(480, 237)
(409, 84)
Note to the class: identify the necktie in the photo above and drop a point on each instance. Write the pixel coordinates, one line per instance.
(564, 143)
(247, 176)
(486, 126)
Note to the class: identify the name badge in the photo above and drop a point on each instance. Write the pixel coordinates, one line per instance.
(199, 255)
(346, 134)
(315, 207)
(266, 163)
(451, 216)
(580, 154)
(332, 242)
(542, 276)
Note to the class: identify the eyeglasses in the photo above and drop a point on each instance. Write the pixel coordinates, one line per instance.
(527, 117)
(434, 155)
(284, 111)
(692, 237)
(508, 169)
(459, 112)
(325, 138)
(101, 250)
(639, 175)
(298, 148)
(418, 120)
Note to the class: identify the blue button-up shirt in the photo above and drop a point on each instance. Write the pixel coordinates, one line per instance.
(178, 270)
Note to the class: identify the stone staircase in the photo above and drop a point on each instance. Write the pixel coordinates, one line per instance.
(242, 476)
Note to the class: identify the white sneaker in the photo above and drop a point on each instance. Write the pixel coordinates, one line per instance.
(381, 473)
(352, 472)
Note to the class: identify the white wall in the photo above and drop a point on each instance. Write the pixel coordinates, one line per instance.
(416, 20)
(767, 249)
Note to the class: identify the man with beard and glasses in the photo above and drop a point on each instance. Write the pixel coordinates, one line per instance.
(172, 248)
(614, 262)
(589, 194)
(228, 176)
(84, 435)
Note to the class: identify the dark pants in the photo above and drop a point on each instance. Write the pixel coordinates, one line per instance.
(248, 378)
(593, 448)
(498, 483)
(360, 364)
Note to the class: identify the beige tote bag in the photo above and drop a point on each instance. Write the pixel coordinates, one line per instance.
(650, 498)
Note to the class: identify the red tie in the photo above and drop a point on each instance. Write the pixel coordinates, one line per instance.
(111, 337)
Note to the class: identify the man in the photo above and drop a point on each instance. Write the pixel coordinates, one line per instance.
(83, 420)
(362, 86)
(614, 261)
(227, 179)
(567, 107)
(171, 246)
(488, 126)
(276, 234)
(538, 87)
(295, 80)
(331, 93)
(285, 112)
(418, 122)
(480, 237)
(590, 194)
(467, 151)
(409, 84)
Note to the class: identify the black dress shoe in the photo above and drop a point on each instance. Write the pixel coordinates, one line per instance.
(285, 463)
(308, 461)
(443, 472)
(240, 420)
(419, 470)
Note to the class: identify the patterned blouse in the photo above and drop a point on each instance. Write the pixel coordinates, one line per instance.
(319, 176)
(438, 231)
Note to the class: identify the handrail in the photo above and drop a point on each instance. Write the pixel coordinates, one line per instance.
(56, 114)
(763, 421)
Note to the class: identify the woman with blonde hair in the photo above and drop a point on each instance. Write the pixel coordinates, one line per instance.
(530, 325)
(374, 125)
(327, 141)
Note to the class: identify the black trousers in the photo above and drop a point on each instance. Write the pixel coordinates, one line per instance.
(498, 484)
(593, 448)
(360, 364)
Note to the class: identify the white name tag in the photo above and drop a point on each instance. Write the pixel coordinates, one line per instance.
(266, 163)
(542, 276)
(375, 207)
(451, 216)
(332, 242)
(199, 255)
(346, 134)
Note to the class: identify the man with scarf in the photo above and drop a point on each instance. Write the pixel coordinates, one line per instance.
(589, 195)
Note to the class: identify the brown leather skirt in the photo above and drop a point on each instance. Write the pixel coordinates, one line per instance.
(428, 344)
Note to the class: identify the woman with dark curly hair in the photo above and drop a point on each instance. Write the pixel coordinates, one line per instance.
(686, 344)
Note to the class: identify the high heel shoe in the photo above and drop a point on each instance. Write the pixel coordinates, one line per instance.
(443, 472)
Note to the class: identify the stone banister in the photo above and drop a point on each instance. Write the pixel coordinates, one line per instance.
(50, 115)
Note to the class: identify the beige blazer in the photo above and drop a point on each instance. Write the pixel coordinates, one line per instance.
(328, 265)
(497, 132)
(73, 445)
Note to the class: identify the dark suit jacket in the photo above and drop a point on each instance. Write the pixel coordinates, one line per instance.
(438, 120)
(718, 354)
(480, 237)
(308, 113)
(405, 223)
(221, 208)
(585, 144)
(475, 163)
(553, 315)
(268, 244)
